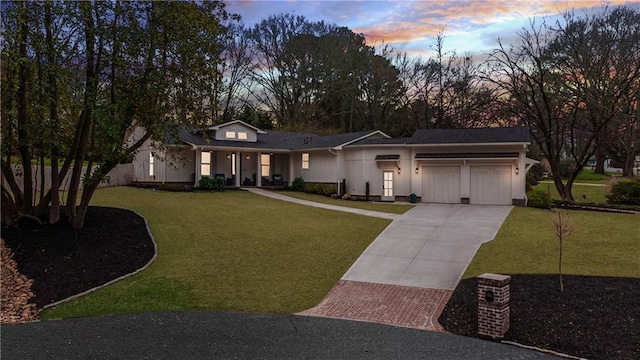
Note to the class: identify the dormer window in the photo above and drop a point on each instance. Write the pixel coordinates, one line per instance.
(236, 131)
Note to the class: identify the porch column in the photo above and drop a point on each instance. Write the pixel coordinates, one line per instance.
(292, 168)
(198, 162)
(259, 170)
(237, 165)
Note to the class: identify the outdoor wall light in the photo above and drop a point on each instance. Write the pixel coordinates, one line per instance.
(417, 170)
(517, 171)
(398, 170)
(248, 157)
(228, 156)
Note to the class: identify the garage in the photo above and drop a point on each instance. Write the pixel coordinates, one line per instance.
(491, 185)
(441, 184)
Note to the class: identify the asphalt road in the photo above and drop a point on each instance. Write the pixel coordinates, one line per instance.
(238, 336)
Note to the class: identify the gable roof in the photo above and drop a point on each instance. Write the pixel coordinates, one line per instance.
(338, 140)
(471, 136)
(221, 126)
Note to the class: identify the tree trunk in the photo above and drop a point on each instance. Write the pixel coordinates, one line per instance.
(23, 115)
(564, 190)
(601, 157)
(54, 212)
(84, 123)
(627, 166)
(560, 267)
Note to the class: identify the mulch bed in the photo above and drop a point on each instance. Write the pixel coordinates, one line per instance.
(61, 263)
(594, 317)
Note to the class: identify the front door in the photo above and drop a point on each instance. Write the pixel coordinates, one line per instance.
(387, 186)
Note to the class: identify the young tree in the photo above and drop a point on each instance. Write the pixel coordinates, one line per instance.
(563, 228)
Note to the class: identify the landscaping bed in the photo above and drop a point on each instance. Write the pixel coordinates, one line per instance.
(62, 263)
(594, 317)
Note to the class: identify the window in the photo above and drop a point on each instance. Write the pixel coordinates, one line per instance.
(230, 134)
(205, 163)
(151, 164)
(305, 161)
(242, 135)
(265, 160)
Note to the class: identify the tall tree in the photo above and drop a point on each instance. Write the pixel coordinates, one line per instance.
(599, 54)
(381, 90)
(122, 65)
(446, 90)
(567, 81)
(308, 73)
(236, 67)
(532, 90)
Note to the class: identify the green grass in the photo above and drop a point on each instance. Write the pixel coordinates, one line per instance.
(581, 193)
(382, 207)
(604, 244)
(588, 174)
(230, 251)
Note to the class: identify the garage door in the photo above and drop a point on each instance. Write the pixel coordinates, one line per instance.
(491, 185)
(441, 184)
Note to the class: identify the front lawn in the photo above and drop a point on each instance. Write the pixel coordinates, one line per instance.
(230, 251)
(595, 317)
(585, 192)
(604, 244)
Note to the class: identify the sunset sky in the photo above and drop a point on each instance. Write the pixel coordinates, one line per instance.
(410, 26)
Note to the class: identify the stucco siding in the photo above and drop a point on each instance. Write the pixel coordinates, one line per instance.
(361, 167)
(322, 166)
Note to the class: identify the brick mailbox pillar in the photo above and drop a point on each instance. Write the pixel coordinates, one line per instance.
(493, 305)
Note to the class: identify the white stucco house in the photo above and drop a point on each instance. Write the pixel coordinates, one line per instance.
(476, 166)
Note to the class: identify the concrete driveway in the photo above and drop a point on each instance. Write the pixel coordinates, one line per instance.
(429, 246)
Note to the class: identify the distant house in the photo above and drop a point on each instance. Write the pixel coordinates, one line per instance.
(476, 166)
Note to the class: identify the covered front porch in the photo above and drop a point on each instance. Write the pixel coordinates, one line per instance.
(242, 167)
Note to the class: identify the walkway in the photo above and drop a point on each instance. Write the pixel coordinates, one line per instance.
(407, 274)
(278, 196)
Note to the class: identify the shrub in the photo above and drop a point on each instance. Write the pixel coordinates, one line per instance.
(219, 184)
(367, 191)
(206, 183)
(538, 198)
(171, 187)
(534, 175)
(346, 197)
(320, 189)
(298, 184)
(626, 192)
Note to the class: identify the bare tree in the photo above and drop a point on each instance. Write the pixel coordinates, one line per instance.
(599, 55)
(237, 67)
(563, 228)
(531, 89)
(566, 83)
